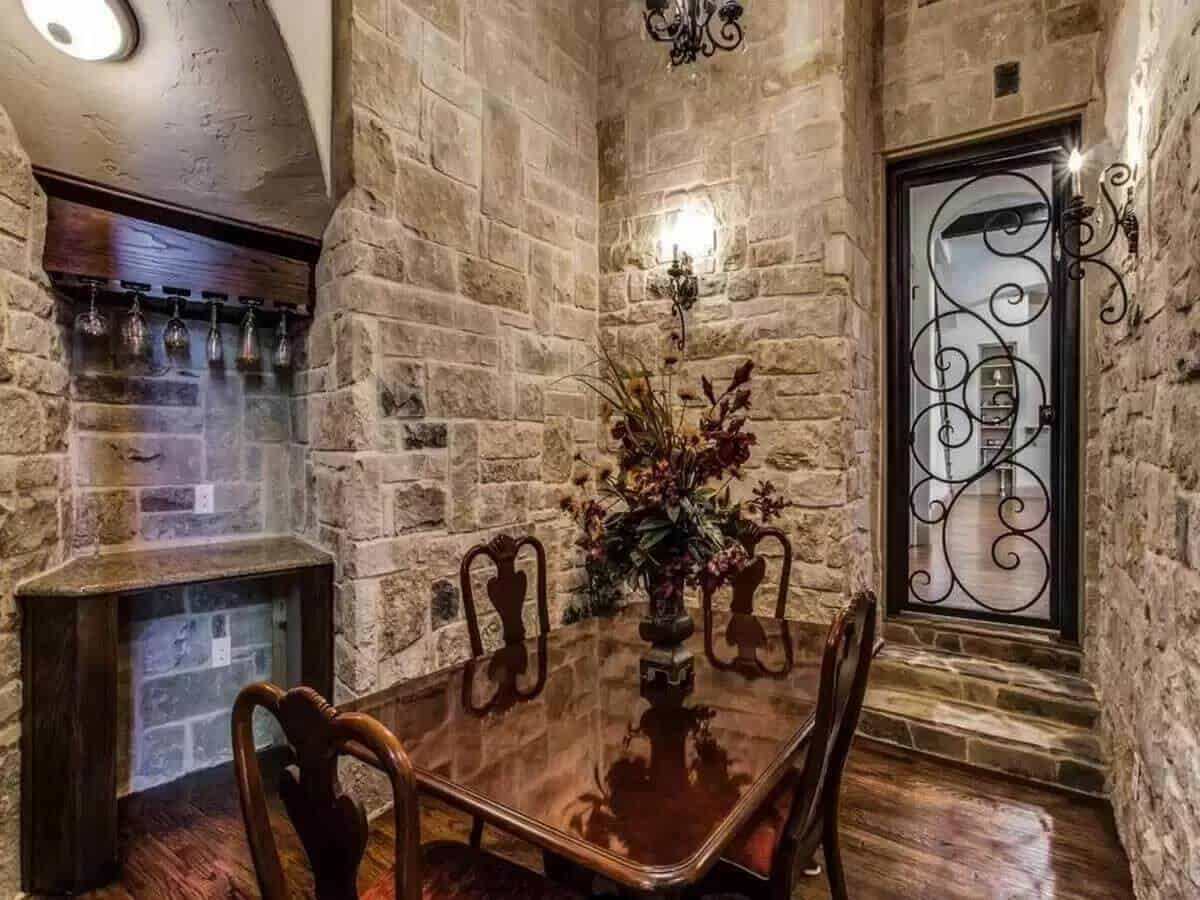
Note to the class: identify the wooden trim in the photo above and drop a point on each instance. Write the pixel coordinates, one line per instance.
(1066, 115)
(137, 206)
(962, 159)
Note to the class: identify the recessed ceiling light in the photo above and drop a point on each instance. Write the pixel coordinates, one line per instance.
(93, 30)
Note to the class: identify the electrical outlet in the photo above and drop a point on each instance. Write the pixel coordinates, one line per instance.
(221, 645)
(204, 499)
(221, 651)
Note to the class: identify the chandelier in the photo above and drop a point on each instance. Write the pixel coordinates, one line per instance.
(690, 29)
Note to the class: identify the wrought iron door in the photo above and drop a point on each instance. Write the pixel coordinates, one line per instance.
(983, 403)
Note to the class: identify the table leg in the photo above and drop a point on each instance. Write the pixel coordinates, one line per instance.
(69, 744)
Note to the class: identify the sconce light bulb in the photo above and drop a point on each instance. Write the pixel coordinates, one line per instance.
(1075, 163)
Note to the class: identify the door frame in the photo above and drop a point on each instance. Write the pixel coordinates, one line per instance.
(1053, 141)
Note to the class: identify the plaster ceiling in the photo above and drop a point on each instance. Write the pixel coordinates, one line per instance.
(207, 113)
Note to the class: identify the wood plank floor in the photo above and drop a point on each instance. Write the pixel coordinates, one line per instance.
(912, 828)
(974, 525)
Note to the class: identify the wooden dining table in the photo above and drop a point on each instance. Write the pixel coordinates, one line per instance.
(557, 742)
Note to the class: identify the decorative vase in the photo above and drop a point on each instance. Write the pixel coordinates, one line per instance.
(667, 626)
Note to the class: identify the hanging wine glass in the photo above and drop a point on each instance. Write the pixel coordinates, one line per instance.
(92, 323)
(250, 354)
(176, 338)
(214, 349)
(135, 332)
(283, 344)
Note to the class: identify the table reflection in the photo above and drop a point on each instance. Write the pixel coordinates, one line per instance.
(749, 635)
(500, 675)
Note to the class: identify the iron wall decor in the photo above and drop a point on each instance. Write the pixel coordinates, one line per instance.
(690, 29)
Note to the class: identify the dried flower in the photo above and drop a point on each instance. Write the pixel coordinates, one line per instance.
(665, 509)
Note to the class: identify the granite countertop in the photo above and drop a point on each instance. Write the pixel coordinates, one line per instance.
(140, 570)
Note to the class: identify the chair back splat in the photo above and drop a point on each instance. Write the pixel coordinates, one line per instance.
(331, 825)
(507, 589)
(747, 582)
(845, 667)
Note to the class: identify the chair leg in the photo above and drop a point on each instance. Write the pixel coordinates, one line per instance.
(833, 858)
(477, 833)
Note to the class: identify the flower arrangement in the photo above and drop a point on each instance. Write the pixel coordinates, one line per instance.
(664, 518)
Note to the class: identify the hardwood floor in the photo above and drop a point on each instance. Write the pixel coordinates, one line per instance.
(974, 525)
(911, 828)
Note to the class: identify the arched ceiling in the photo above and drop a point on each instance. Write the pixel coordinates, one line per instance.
(207, 113)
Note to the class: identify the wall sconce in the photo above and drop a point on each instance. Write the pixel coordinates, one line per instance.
(690, 233)
(1085, 240)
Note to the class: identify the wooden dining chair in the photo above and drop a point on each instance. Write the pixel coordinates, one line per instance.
(507, 589)
(332, 826)
(761, 862)
(747, 582)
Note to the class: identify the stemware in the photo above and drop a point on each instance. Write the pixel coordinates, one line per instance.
(283, 343)
(176, 338)
(214, 349)
(91, 323)
(135, 332)
(250, 354)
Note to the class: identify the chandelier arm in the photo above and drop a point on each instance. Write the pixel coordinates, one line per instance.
(658, 26)
(728, 37)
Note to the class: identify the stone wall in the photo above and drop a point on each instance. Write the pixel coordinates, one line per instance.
(1143, 620)
(34, 418)
(174, 704)
(776, 144)
(456, 290)
(946, 67)
(147, 432)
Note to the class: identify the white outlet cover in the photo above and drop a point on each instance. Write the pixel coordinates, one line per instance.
(204, 499)
(221, 651)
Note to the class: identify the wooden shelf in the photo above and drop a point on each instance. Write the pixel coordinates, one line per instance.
(121, 242)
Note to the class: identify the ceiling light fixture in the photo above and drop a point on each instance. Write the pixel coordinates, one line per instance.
(688, 27)
(92, 30)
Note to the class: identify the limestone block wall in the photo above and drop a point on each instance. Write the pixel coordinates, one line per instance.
(938, 64)
(147, 432)
(1143, 620)
(776, 144)
(174, 705)
(457, 288)
(34, 416)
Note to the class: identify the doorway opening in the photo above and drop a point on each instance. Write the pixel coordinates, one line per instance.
(983, 371)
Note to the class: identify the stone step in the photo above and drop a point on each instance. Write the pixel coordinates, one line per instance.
(1004, 686)
(1027, 747)
(1001, 643)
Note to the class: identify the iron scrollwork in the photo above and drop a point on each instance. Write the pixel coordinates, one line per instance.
(960, 420)
(691, 31)
(1082, 243)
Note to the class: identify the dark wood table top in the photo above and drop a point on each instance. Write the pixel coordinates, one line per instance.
(553, 740)
(140, 570)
